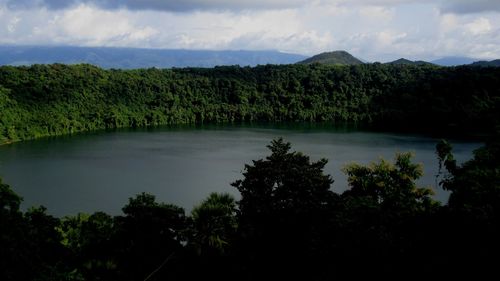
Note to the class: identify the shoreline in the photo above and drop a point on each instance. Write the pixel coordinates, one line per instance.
(450, 134)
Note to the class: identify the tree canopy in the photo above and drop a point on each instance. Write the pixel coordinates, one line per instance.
(47, 100)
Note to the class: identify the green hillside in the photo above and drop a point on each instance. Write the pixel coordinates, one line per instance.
(47, 100)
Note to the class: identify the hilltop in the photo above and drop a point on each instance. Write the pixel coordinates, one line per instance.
(333, 58)
(403, 61)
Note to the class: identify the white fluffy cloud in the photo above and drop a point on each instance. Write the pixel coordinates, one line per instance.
(81, 25)
(479, 26)
(376, 30)
(96, 27)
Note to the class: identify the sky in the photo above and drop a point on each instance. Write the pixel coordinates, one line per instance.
(373, 30)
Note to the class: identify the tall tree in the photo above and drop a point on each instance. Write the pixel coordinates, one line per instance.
(215, 224)
(386, 216)
(284, 200)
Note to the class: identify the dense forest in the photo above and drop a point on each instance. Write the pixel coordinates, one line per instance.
(288, 225)
(47, 100)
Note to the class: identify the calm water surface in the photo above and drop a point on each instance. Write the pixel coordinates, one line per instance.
(100, 171)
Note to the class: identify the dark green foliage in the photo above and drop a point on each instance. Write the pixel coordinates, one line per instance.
(472, 220)
(385, 215)
(213, 238)
(287, 225)
(90, 242)
(149, 233)
(392, 186)
(9, 201)
(43, 242)
(475, 185)
(30, 246)
(11, 228)
(284, 182)
(284, 200)
(46, 100)
(445, 157)
(214, 224)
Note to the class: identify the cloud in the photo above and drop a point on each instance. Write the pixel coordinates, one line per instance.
(470, 6)
(159, 5)
(389, 38)
(99, 27)
(81, 25)
(376, 2)
(11, 27)
(378, 30)
(376, 12)
(445, 6)
(305, 42)
(479, 26)
(448, 23)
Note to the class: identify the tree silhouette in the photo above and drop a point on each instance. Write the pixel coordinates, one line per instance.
(284, 199)
(472, 219)
(214, 224)
(148, 234)
(385, 216)
(284, 182)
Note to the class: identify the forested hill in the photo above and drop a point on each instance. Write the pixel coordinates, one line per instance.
(409, 62)
(44, 100)
(333, 58)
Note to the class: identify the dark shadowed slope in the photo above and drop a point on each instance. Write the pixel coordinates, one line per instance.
(334, 58)
(493, 63)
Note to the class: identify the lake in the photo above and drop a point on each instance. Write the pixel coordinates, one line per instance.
(99, 171)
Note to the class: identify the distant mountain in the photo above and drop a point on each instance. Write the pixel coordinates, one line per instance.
(453, 61)
(403, 61)
(139, 58)
(336, 57)
(493, 63)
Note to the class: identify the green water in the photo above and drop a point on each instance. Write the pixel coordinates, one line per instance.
(100, 171)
